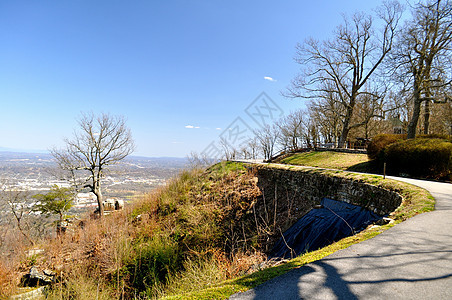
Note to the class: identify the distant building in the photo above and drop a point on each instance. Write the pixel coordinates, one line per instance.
(397, 125)
(85, 198)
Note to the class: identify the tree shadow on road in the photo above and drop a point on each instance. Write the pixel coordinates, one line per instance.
(366, 275)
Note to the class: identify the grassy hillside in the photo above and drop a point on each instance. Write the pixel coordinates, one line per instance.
(183, 237)
(415, 201)
(329, 160)
(195, 238)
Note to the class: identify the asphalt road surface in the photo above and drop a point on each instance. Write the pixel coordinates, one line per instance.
(412, 260)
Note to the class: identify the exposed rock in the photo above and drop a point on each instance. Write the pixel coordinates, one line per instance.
(34, 278)
(49, 273)
(384, 221)
(33, 252)
(29, 295)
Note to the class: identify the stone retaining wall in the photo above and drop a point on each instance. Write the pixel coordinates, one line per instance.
(288, 193)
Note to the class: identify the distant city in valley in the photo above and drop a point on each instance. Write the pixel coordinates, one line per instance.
(36, 173)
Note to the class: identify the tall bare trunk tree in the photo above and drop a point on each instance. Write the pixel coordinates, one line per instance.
(291, 129)
(100, 142)
(267, 137)
(423, 58)
(327, 114)
(341, 67)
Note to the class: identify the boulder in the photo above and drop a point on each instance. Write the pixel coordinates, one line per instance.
(34, 278)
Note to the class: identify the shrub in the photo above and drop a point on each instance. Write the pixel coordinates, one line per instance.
(434, 136)
(81, 287)
(379, 142)
(153, 262)
(429, 158)
(198, 273)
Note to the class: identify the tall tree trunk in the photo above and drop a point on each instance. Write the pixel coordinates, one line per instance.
(366, 130)
(343, 137)
(411, 132)
(98, 192)
(346, 126)
(427, 95)
(426, 116)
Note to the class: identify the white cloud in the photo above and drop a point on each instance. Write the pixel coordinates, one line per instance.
(197, 127)
(218, 128)
(192, 127)
(269, 78)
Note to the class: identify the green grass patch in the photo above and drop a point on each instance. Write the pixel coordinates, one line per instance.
(226, 167)
(327, 159)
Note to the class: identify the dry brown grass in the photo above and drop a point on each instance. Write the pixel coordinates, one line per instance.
(196, 215)
(7, 280)
(89, 255)
(198, 230)
(13, 260)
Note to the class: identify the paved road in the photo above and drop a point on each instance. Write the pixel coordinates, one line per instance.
(412, 260)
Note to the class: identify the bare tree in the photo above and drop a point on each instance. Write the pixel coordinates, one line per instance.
(253, 148)
(267, 137)
(423, 58)
(291, 129)
(229, 151)
(244, 152)
(16, 201)
(101, 141)
(369, 108)
(441, 118)
(326, 115)
(199, 160)
(340, 68)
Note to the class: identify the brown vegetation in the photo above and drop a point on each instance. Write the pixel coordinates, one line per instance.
(193, 227)
(204, 227)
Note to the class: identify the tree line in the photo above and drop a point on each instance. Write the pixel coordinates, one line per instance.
(375, 75)
(374, 69)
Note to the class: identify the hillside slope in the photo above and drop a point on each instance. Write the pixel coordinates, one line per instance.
(196, 236)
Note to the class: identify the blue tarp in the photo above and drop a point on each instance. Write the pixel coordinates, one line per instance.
(323, 226)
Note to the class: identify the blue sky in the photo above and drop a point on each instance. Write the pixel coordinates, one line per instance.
(179, 71)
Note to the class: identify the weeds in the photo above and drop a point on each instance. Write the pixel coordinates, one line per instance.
(81, 287)
(185, 232)
(195, 234)
(6, 280)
